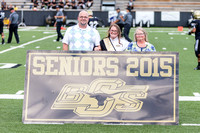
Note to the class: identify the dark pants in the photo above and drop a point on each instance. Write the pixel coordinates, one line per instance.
(58, 27)
(197, 48)
(121, 27)
(13, 28)
(127, 28)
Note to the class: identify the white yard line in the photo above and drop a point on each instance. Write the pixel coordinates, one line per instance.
(11, 96)
(190, 124)
(22, 45)
(189, 98)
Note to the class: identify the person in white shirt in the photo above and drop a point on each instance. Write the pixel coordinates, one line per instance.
(81, 37)
(114, 41)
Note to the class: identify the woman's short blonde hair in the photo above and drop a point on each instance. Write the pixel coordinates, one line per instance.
(143, 30)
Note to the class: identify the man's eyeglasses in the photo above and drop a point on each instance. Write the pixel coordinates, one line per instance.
(83, 17)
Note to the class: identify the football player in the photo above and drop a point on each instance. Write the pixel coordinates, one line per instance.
(195, 28)
(2, 15)
(93, 21)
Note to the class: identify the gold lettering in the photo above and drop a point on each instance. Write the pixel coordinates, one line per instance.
(155, 68)
(40, 67)
(86, 66)
(149, 68)
(50, 65)
(65, 66)
(167, 67)
(112, 66)
(99, 65)
(129, 67)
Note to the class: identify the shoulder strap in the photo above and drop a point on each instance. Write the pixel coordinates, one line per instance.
(108, 44)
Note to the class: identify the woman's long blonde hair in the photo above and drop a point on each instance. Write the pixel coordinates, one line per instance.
(118, 31)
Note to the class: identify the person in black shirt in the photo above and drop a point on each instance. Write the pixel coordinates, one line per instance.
(2, 15)
(35, 3)
(93, 21)
(74, 6)
(53, 4)
(61, 4)
(195, 28)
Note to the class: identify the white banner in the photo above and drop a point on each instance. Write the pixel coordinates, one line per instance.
(145, 16)
(170, 16)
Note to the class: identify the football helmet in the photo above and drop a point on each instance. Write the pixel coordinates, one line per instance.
(90, 12)
(196, 14)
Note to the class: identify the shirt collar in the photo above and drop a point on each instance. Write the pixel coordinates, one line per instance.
(114, 39)
(82, 28)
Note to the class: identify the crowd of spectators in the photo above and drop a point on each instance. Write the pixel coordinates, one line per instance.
(5, 6)
(64, 4)
(130, 4)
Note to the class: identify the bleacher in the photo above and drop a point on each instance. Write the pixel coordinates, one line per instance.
(159, 5)
(168, 5)
(139, 5)
(25, 4)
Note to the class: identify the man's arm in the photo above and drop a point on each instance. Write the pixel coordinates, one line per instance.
(97, 48)
(65, 47)
(58, 17)
(193, 30)
(122, 18)
(115, 21)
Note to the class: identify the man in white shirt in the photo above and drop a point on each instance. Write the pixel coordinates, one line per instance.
(81, 36)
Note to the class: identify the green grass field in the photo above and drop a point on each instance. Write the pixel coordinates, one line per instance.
(41, 38)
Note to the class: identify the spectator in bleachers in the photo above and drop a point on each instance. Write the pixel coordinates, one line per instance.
(74, 5)
(81, 4)
(44, 4)
(53, 4)
(130, 4)
(67, 4)
(61, 4)
(49, 4)
(35, 4)
(10, 7)
(3, 5)
(89, 4)
(15, 8)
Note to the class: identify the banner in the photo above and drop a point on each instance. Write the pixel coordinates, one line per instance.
(145, 16)
(170, 16)
(101, 87)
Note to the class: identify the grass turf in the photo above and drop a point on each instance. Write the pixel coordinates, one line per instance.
(12, 80)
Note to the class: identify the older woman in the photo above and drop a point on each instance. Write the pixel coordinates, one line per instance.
(113, 42)
(140, 42)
